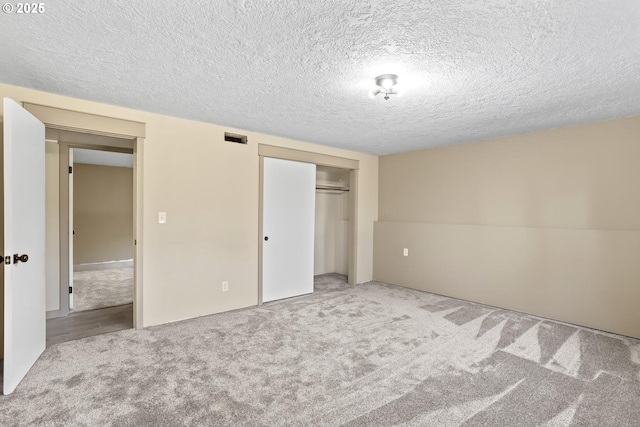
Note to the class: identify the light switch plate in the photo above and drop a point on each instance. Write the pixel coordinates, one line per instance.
(162, 217)
(405, 252)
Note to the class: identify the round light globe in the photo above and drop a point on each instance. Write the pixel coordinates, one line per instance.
(387, 81)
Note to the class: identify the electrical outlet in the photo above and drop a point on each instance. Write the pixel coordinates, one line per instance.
(405, 252)
(225, 286)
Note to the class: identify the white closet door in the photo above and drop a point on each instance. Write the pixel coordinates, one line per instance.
(288, 226)
(24, 243)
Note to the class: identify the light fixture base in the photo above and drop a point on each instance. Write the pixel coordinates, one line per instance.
(387, 81)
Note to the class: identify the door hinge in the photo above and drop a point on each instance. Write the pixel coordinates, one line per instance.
(70, 290)
(70, 169)
(135, 243)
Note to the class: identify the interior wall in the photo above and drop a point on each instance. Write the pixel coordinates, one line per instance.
(331, 242)
(331, 233)
(209, 190)
(102, 213)
(52, 226)
(545, 223)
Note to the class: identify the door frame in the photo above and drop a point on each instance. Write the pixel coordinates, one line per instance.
(76, 121)
(318, 159)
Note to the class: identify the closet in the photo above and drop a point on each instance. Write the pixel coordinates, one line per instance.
(305, 226)
(331, 221)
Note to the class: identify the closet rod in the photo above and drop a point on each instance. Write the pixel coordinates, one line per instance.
(328, 187)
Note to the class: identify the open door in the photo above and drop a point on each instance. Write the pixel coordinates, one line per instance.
(24, 243)
(288, 218)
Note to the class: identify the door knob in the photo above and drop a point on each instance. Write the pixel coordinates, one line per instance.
(20, 258)
(266, 238)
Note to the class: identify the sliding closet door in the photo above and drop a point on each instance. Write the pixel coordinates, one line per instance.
(288, 223)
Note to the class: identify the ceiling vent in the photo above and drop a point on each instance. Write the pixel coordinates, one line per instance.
(234, 137)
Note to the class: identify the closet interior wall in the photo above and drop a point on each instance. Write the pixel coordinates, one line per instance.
(332, 221)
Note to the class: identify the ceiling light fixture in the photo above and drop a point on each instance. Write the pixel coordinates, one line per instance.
(386, 84)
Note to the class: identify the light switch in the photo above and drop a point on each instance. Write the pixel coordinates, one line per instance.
(162, 217)
(405, 252)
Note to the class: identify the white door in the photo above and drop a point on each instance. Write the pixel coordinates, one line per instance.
(24, 243)
(288, 222)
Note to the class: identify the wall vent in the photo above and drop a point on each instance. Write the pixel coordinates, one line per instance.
(234, 137)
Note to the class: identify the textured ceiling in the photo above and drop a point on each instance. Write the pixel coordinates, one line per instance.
(302, 69)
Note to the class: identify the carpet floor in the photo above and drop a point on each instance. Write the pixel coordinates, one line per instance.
(372, 354)
(102, 285)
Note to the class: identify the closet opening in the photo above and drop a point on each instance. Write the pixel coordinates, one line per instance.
(331, 237)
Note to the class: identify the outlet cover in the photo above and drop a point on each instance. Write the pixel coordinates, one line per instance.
(405, 252)
(225, 286)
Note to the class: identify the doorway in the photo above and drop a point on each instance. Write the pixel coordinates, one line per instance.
(91, 278)
(102, 224)
(26, 131)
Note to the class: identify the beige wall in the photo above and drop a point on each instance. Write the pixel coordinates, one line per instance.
(102, 213)
(209, 189)
(546, 223)
(331, 233)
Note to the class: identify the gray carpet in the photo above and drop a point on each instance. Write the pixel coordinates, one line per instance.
(374, 354)
(102, 285)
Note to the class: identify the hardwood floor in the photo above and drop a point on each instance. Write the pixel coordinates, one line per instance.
(89, 323)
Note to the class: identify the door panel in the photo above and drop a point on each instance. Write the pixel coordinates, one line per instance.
(289, 224)
(24, 234)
